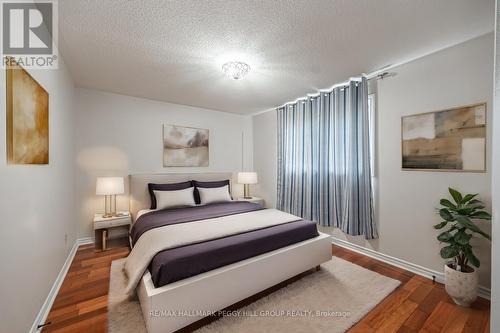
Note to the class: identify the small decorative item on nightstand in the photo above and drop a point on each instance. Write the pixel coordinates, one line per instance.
(260, 201)
(247, 178)
(102, 225)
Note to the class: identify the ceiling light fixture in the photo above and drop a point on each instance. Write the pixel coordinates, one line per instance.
(235, 69)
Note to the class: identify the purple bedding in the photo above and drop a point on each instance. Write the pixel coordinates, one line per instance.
(179, 263)
(176, 264)
(165, 217)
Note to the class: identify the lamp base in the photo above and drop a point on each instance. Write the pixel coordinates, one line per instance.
(109, 206)
(246, 191)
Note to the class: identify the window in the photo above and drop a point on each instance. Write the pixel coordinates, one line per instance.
(371, 129)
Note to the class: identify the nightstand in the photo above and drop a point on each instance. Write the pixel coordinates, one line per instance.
(102, 225)
(254, 199)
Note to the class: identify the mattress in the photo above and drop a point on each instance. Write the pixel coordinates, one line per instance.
(178, 263)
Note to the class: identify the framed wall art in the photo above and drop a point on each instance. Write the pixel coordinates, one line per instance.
(447, 140)
(185, 146)
(27, 118)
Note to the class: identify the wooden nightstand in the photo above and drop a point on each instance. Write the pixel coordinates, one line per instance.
(102, 225)
(254, 199)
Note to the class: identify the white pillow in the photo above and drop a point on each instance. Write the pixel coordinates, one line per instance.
(214, 194)
(177, 198)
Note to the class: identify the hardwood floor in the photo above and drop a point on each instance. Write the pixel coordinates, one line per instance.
(81, 304)
(417, 305)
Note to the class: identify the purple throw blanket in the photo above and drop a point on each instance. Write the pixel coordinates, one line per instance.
(165, 217)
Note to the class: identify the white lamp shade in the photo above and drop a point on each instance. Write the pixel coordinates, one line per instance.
(247, 177)
(109, 186)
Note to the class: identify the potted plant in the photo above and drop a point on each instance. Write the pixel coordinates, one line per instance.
(461, 279)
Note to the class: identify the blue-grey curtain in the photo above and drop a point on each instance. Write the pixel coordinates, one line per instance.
(324, 160)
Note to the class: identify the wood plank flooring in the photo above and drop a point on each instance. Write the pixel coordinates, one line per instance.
(417, 305)
(81, 304)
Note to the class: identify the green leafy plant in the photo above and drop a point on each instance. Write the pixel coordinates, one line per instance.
(458, 217)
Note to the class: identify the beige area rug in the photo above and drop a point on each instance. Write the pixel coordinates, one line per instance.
(330, 300)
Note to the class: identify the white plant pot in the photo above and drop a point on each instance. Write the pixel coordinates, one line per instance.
(462, 287)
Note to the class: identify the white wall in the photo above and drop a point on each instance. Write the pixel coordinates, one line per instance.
(121, 135)
(265, 152)
(407, 200)
(495, 185)
(37, 205)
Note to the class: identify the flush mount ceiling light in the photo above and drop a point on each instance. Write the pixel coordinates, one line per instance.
(235, 69)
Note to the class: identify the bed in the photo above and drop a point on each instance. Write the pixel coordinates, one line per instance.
(244, 250)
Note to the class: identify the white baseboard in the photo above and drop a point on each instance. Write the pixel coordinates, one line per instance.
(47, 305)
(417, 269)
(85, 240)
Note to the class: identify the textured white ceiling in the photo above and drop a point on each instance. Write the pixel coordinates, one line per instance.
(173, 50)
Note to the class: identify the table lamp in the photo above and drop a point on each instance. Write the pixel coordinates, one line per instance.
(247, 178)
(109, 187)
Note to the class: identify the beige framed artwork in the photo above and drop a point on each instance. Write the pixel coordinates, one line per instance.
(185, 146)
(27, 119)
(446, 140)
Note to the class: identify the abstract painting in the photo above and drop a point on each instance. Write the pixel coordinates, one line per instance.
(185, 146)
(448, 140)
(27, 119)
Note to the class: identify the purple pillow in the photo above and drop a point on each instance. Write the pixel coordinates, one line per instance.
(166, 187)
(212, 184)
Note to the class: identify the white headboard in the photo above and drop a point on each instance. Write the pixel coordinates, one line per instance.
(139, 194)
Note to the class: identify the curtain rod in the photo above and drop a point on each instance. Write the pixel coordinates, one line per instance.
(338, 85)
(378, 75)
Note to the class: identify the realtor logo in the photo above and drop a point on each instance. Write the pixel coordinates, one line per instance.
(29, 31)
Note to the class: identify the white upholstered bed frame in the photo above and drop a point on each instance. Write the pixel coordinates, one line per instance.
(217, 289)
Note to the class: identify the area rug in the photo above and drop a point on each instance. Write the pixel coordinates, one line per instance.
(330, 300)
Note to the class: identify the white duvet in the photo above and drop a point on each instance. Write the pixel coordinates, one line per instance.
(172, 236)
